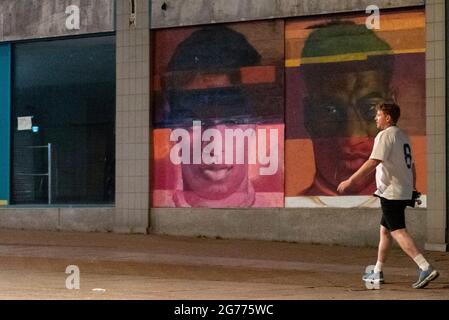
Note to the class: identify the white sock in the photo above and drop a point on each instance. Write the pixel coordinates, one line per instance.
(421, 262)
(378, 267)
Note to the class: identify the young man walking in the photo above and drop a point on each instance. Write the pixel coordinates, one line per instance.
(395, 180)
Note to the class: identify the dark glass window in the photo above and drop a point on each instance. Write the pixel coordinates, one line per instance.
(67, 87)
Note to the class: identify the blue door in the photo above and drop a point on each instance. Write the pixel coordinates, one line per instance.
(5, 118)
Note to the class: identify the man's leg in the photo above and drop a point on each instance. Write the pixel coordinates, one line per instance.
(406, 242)
(394, 218)
(426, 272)
(384, 244)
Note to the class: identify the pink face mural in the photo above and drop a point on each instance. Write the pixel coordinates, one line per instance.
(216, 143)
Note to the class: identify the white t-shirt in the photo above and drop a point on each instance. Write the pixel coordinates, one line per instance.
(394, 175)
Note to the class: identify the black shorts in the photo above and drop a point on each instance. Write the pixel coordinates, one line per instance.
(393, 217)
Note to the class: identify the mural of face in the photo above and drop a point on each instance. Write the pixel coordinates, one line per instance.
(342, 93)
(340, 120)
(206, 68)
(212, 181)
(219, 116)
(205, 182)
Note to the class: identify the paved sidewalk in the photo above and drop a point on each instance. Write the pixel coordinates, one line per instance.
(116, 266)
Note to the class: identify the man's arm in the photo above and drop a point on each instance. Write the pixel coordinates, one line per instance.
(358, 176)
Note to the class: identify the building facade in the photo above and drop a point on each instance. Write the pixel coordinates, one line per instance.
(229, 119)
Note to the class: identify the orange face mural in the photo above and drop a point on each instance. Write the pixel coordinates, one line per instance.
(337, 70)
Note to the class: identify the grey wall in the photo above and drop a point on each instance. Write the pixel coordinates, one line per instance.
(353, 227)
(30, 19)
(191, 12)
(98, 219)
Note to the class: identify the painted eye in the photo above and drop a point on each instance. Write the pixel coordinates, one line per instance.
(368, 110)
(331, 110)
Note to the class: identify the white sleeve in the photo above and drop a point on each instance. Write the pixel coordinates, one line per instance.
(382, 147)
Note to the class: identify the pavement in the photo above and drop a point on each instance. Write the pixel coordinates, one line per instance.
(151, 267)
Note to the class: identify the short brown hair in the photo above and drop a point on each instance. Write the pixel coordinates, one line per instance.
(391, 109)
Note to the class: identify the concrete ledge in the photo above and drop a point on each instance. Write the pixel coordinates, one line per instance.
(32, 219)
(86, 219)
(68, 219)
(352, 227)
(442, 247)
(130, 230)
(259, 224)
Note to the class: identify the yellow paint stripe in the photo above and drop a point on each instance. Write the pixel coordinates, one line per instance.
(295, 30)
(347, 57)
(3, 202)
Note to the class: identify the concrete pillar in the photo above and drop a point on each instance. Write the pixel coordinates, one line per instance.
(132, 118)
(436, 126)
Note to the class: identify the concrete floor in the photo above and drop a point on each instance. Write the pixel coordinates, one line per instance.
(116, 266)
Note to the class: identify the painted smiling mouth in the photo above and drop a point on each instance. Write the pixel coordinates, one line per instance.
(216, 174)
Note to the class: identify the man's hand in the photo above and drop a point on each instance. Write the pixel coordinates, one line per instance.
(344, 186)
